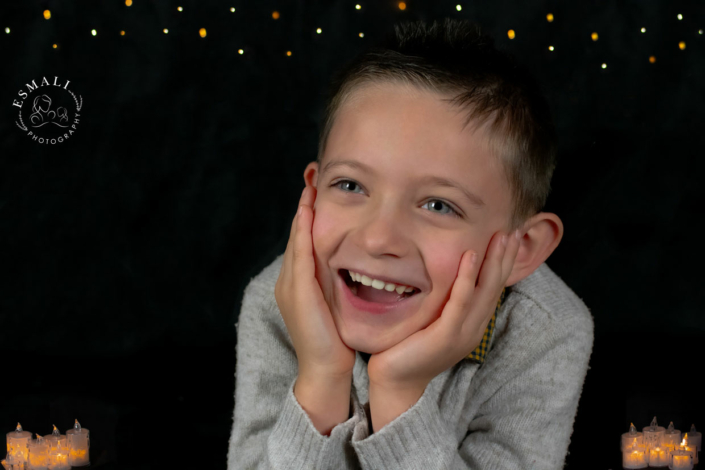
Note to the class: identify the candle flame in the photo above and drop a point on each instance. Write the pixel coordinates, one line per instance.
(55, 432)
(77, 426)
(18, 428)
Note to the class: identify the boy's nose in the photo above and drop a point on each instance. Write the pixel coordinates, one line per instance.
(384, 233)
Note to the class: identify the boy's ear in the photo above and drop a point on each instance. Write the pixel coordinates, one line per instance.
(311, 175)
(544, 232)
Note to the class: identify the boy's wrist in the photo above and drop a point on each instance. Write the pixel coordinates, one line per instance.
(325, 400)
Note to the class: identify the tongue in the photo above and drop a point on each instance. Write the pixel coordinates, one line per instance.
(371, 294)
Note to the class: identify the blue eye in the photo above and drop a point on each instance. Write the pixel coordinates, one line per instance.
(349, 183)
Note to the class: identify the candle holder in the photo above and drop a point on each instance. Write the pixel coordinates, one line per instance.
(58, 451)
(634, 457)
(38, 454)
(659, 457)
(79, 445)
(687, 446)
(696, 439)
(631, 438)
(17, 445)
(672, 436)
(653, 434)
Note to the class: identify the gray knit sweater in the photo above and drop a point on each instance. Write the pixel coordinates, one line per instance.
(515, 411)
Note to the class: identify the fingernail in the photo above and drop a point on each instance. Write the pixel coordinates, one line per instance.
(301, 208)
(518, 234)
(504, 240)
(474, 258)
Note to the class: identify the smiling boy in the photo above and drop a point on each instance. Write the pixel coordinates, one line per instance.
(366, 344)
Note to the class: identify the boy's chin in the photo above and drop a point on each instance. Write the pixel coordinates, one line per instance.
(369, 345)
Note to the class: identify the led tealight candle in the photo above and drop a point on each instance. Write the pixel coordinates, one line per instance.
(17, 444)
(38, 454)
(632, 438)
(9, 462)
(653, 434)
(690, 447)
(681, 460)
(659, 457)
(695, 437)
(672, 436)
(58, 451)
(634, 457)
(79, 443)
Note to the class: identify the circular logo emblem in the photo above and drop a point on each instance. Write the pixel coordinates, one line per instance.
(49, 112)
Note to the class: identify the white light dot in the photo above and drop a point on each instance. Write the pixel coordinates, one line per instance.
(550, 48)
(240, 51)
(94, 32)
(318, 30)
(700, 31)
(458, 7)
(166, 31)
(357, 7)
(680, 17)
(7, 30)
(643, 30)
(362, 35)
(604, 66)
(232, 9)
(180, 8)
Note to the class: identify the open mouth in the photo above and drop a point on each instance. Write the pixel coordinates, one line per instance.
(370, 294)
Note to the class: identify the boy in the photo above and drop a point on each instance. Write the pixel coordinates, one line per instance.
(376, 340)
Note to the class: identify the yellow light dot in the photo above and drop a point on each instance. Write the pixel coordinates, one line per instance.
(166, 31)
(122, 33)
(680, 17)
(288, 53)
(7, 30)
(240, 51)
(594, 36)
(652, 59)
(275, 15)
(604, 66)
(128, 3)
(458, 7)
(402, 6)
(232, 9)
(94, 32)
(643, 30)
(357, 7)
(180, 8)
(362, 35)
(549, 17)
(202, 32)
(511, 34)
(47, 14)
(318, 30)
(681, 45)
(550, 48)
(55, 46)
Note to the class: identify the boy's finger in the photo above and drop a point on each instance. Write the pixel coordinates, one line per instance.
(461, 293)
(287, 262)
(302, 253)
(510, 255)
(490, 273)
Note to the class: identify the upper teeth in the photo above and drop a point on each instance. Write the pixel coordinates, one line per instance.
(377, 284)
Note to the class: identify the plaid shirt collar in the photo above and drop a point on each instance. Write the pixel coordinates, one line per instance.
(478, 355)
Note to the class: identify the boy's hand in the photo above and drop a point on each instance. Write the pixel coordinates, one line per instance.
(319, 350)
(409, 366)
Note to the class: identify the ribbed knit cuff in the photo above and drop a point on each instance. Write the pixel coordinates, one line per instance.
(295, 443)
(416, 439)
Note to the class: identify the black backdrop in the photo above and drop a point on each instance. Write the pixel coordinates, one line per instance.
(124, 250)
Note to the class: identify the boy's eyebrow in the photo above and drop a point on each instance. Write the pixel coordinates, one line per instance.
(428, 179)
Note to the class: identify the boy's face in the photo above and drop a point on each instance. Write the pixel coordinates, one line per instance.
(394, 221)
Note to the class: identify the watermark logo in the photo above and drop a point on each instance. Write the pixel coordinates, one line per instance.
(49, 113)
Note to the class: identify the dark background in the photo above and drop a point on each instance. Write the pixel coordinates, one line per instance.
(125, 250)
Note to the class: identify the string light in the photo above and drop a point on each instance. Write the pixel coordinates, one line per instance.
(275, 15)
(128, 3)
(604, 66)
(362, 35)
(288, 53)
(232, 9)
(357, 7)
(180, 8)
(652, 59)
(550, 48)
(458, 7)
(549, 17)
(402, 6)
(511, 34)
(700, 31)
(94, 32)
(55, 46)
(594, 36)
(7, 30)
(643, 30)
(680, 17)
(166, 31)
(47, 14)
(318, 30)
(681, 45)
(202, 32)
(122, 33)
(240, 51)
